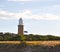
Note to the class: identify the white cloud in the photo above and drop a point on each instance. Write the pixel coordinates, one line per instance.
(27, 14)
(54, 7)
(6, 15)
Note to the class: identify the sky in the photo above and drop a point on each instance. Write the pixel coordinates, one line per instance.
(39, 16)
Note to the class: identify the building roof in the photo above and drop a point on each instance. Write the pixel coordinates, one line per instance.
(20, 21)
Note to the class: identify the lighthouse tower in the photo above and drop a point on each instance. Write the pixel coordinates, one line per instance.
(20, 27)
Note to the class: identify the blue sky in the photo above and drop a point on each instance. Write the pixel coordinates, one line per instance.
(40, 16)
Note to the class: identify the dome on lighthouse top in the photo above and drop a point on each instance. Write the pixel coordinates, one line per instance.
(20, 21)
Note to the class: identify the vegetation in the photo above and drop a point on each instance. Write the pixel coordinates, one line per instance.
(15, 37)
(10, 42)
(28, 48)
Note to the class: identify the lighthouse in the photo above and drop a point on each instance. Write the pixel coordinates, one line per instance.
(20, 27)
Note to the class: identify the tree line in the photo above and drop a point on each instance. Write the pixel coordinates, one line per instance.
(30, 37)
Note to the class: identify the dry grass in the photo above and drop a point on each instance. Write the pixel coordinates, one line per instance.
(45, 43)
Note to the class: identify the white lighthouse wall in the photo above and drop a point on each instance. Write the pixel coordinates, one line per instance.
(20, 21)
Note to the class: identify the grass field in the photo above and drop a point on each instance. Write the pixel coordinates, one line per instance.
(45, 43)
